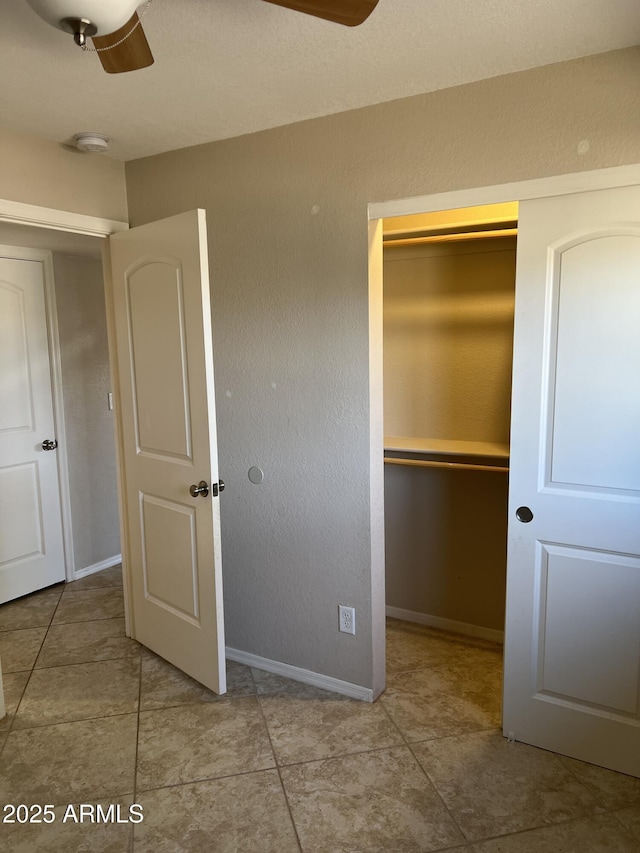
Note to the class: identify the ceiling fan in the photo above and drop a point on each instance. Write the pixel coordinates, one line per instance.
(119, 39)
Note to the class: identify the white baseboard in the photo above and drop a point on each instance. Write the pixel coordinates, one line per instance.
(97, 567)
(447, 624)
(306, 676)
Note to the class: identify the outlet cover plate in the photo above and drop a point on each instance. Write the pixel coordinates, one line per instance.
(347, 617)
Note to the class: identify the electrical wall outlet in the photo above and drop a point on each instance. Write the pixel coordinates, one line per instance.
(347, 619)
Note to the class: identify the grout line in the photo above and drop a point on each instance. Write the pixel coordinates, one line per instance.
(135, 757)
(84, 621)
(83, 662)
(73, 722)
(340, 756)
(410, 746)
(9, 729)
(23, 628)
(218, 701)
(437, 791)
(277, 763)
(383, 705)
(254, 772)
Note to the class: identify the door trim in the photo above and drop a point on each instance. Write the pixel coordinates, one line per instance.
(59, 220)
(55, 367)
(556, 185)
(573, 182)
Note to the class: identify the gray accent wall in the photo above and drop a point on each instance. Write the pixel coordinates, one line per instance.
(287, 219)
(89, 423)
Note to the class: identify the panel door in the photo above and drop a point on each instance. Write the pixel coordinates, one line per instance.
(31, 541)
(572, 644)
(162, 325)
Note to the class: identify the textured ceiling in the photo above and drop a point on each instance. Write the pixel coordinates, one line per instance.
(228, 67)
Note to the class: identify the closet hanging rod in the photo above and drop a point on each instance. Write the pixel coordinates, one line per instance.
(429, 463)
(449, 238)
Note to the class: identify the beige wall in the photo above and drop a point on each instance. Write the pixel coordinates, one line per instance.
(448, 339)
(287, 216)
(44, 173)
(88, 421)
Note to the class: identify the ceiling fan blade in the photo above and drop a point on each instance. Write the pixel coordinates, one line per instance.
(347, 12)
(132, 54)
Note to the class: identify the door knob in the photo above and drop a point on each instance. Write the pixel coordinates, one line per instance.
(216, 488)
(49, 444)
(524, 514)
(201, 489)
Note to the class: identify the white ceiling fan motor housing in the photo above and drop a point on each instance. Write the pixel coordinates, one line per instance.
(105, 16)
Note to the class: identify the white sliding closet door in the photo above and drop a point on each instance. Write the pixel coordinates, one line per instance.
(572, 651)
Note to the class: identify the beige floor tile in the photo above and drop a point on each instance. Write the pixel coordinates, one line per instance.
(19, 649)
(164, 686)
(90, 604)
(375, 801)
(308, 724)
(69, 762)
(463, 696)
(412, 647)
(269, 682)
(239, 680)
(14, 684)
(82, 642)
(599, 834)
(80, 692)
(239, 814)
(67, 834)
(195, 742)
(493, 788)
(630, 819)
(612, 790)
(31, 611)
(111, 577)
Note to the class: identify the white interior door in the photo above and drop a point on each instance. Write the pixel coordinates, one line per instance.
(31, 540)
(162, 325)
(572, 645)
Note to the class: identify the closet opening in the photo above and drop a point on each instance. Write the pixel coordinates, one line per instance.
(449, 289)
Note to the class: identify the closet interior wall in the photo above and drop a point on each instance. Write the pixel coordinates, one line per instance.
(448, 334)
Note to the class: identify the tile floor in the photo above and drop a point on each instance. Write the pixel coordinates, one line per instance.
(275, 765)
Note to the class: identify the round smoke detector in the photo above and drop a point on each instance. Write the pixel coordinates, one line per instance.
(93, 142)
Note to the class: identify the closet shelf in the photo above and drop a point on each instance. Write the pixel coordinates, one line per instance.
(432, 463)
(447, 447)
(445, 453)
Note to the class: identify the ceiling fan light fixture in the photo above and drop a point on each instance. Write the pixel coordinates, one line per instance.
(94, 143)
(106, 17)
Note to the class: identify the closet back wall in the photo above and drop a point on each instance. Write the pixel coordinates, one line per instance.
(448, 331)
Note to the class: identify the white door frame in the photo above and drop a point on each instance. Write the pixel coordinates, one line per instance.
(18, 213)
(613, 177)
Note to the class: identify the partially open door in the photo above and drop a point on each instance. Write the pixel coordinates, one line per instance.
(572, 644)
(170, 482)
